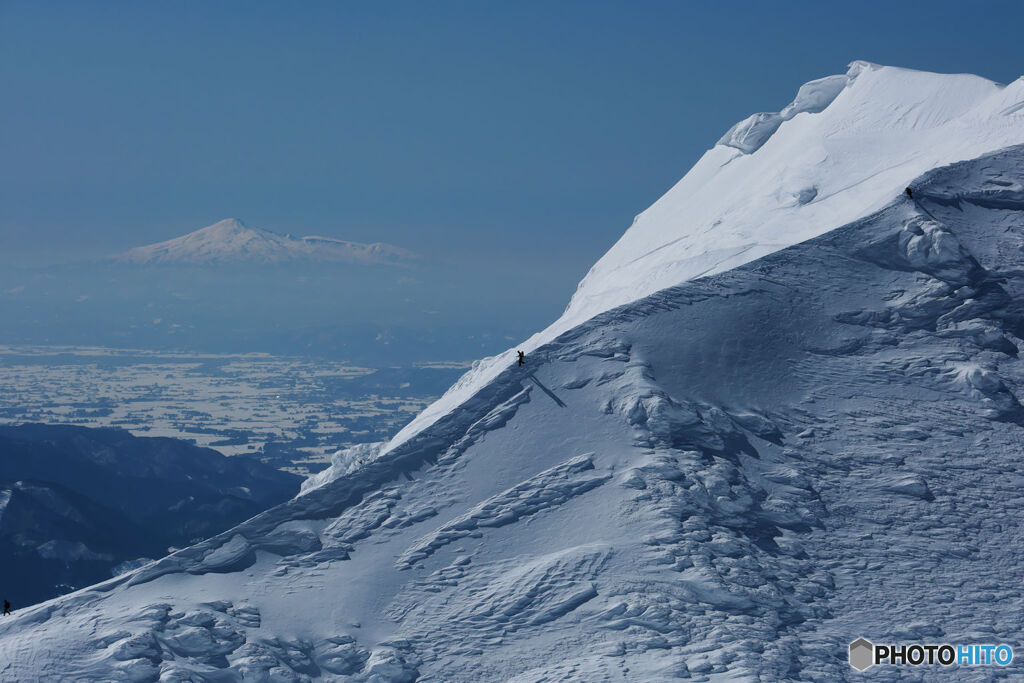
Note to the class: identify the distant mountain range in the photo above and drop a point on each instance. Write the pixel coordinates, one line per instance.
(231, 241)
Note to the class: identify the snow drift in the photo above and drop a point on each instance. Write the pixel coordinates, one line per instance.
(746, 444)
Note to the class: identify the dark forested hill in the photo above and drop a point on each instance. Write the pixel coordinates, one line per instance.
(76, 502)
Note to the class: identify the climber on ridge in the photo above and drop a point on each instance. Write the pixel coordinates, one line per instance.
(522, 358)
(910, 193)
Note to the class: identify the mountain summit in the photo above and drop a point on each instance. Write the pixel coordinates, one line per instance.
(782, 413)
(839, 151)
(231, 241)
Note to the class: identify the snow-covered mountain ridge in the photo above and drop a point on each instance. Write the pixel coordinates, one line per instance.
(231, 241)
(843, 149)
(729, 478)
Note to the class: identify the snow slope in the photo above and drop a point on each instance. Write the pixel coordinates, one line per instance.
(729, 478)
(231, 241)
(843, 149)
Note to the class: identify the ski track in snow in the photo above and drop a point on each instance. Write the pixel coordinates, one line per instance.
(731, 478)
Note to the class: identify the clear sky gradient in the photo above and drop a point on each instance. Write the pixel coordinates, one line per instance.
(523, 135)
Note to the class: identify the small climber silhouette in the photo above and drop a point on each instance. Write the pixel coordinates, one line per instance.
(910, 193)
(522, 358)
(7, 608)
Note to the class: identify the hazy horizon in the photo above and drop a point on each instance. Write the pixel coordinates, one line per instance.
(509, 144)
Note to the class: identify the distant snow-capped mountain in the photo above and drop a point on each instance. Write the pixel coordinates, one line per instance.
(231, 241)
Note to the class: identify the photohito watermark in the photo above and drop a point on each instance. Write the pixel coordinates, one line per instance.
(864, 653)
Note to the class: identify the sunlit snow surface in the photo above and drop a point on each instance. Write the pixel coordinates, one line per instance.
(729, 478)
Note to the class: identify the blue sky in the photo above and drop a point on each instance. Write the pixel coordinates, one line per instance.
(524, 135)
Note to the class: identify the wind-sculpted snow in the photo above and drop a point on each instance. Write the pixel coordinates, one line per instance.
(751, 133)
(343, 462)
(729, 479)
(549, 488)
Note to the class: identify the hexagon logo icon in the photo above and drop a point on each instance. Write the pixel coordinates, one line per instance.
(862, 654)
